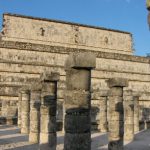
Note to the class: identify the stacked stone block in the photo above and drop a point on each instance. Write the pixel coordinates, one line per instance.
(25, 110)
(78, 101)
(35, 101)
(136, 113)
(19, 109)
(116, 113)
(48, 137)
(103, 126)
(128, 115)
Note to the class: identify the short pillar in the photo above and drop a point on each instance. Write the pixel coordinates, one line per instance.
(25, 110)
(19, 109)
(116, 113)
(103, 126)
(35, 101)
(78, 101)
(128, 115)
(136, 114)
(48, 137)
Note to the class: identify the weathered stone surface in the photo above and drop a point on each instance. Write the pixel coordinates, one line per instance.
(48, 139)
(25, 110)
(77, 141)
(50, 76)
(136, 113)
(81, 60)
(34, 119)
(116, 113)
(75, 99)
(78, 78)
(77, 123)
(73, 75)
(128, 115)
(19, 110)
(117, 82)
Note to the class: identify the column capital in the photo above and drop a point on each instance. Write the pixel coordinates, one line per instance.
(117, 82)
(86, 60)
(50, 77)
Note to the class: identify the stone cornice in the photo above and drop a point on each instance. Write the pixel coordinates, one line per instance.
(66, 50)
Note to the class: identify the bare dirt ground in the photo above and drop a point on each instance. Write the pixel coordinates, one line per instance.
(11, 139)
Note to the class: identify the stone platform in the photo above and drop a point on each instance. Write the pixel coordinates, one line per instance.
(11, 139)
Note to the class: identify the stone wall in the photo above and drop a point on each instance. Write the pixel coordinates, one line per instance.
(57, 33)
(21, 63)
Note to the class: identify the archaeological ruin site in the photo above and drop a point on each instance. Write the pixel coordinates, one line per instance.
(67, 86)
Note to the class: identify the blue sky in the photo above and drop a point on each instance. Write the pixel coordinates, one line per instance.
(126, 15)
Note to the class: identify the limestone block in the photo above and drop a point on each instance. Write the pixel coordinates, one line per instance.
(115, 91)
(49, 76)
(48, 110)
(75, 99)
(78, 79)
(48, 124)
(86, 60)
(77, 141)
(77, 123)
(117, 82)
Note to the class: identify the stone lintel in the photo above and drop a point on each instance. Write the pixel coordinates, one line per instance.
(25, 89)
(99, 94)
(86, 60)
(50, 77)
(117, 82)
(36, 86)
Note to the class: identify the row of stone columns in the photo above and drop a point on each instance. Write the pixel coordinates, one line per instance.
(37, 116)
(37, 111)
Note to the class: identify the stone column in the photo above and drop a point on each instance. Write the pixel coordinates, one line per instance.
(78, 101)
(103, 127)
(48, 138)
(128, 115)
(136, 114)
(116, 113)
(63, 121)
(19, 109)
(25, 110)
(35, 101)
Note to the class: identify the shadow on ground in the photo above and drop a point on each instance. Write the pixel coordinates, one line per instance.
(11, 139)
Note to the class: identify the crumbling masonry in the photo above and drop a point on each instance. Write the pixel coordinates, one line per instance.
(32, 46)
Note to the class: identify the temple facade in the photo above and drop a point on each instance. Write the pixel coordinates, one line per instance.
(31, 46)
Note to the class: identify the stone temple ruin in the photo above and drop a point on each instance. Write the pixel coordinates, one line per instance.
(71, 77)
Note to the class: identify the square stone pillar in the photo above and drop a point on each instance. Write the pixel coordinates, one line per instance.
(128, 115)
(136, 96)
(19, 109)
(78, 101)
(116, 113)
(103, 124)
(25, 110)
(48, 137)
(35, 102)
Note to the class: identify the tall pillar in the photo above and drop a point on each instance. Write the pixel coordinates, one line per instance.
(48, 138)
(19, 109)
(128, 115)
(116, 113)
(78, 101)
(63, 121)
(103, 127)
(136, 113)
(35, 101)
(25, 110)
